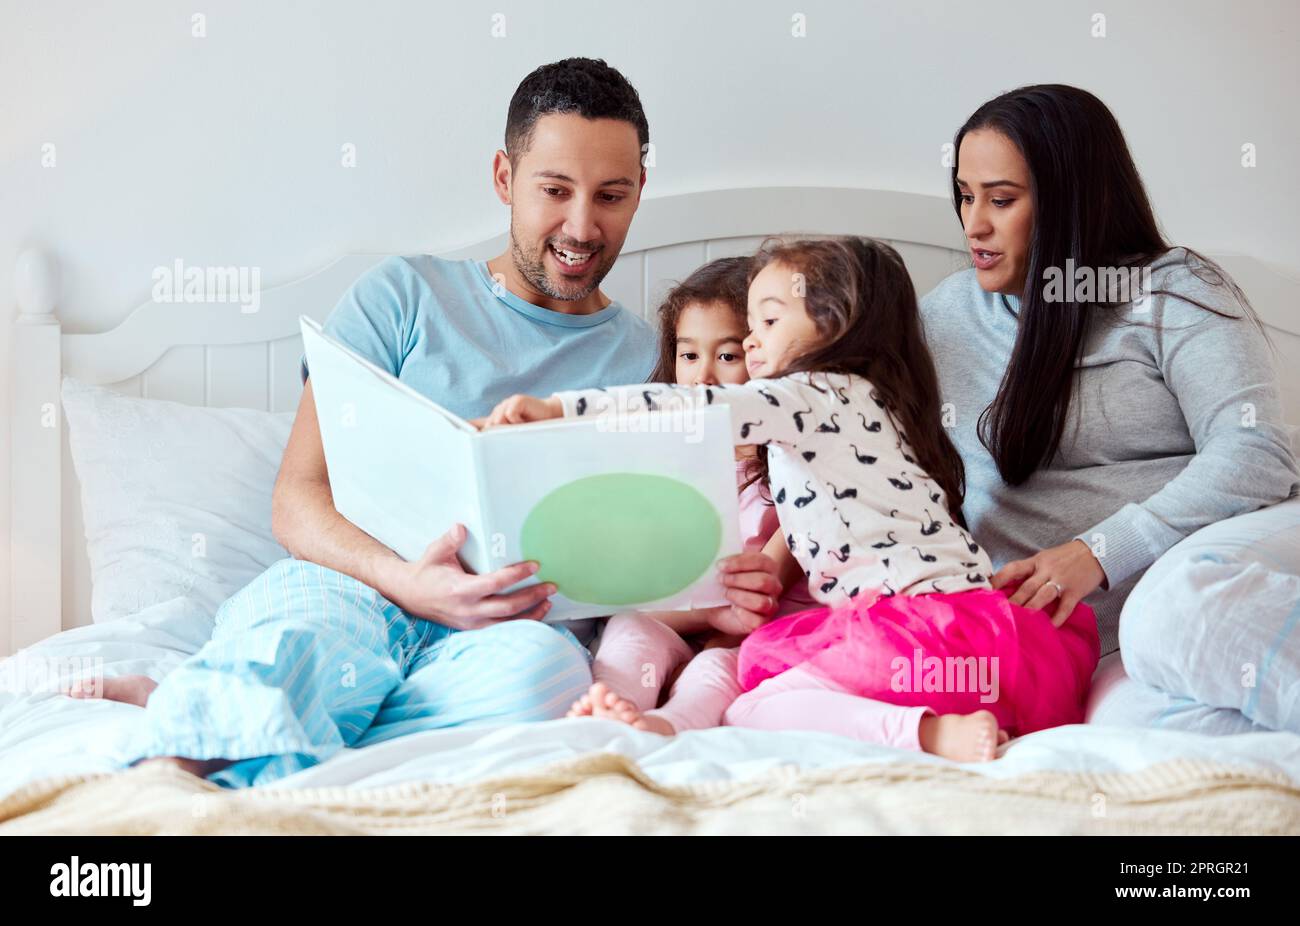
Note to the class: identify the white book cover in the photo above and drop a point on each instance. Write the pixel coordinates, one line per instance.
(626, 516)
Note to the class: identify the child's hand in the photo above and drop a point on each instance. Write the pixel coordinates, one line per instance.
(521, 408)
(731, 621)
(753, 584)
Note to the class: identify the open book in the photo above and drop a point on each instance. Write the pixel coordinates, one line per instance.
(620, 516)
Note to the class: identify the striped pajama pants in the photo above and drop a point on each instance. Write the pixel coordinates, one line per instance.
(304, 661)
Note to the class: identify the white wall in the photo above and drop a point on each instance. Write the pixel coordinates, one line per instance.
(225, 149)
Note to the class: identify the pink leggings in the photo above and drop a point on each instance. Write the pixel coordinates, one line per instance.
(797, 699)
(637, 653)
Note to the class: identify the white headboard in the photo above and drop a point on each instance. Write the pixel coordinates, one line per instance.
(214, 354)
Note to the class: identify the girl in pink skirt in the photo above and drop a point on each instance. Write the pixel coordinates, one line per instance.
(843, 405)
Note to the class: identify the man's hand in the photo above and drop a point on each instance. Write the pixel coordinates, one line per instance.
(436, 587)
(519, 409)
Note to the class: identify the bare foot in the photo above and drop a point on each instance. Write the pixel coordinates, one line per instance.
(653, 723)
(129, 689)
(599, 701)
(609, 705)
(598, 693)
(200, 767)
(582, 706)
(962, 737)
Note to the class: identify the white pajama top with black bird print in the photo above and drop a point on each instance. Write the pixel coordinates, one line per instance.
(857, 510)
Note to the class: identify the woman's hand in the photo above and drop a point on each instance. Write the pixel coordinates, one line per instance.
(1066, 574)
(519, 409)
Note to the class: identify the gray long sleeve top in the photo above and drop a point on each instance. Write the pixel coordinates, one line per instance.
(1175, 422)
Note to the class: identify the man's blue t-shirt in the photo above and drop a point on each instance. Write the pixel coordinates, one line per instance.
(440, 327)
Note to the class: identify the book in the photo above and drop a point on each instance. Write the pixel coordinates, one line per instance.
(627, 516)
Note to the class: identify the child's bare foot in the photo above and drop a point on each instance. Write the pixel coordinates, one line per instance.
(599, 701)
(653, 723)
(605, 703)
(584, 706)
(129, 689)
(608, 704)
(581, 707)
(962, 737)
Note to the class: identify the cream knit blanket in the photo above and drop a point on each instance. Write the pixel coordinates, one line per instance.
(608, 793)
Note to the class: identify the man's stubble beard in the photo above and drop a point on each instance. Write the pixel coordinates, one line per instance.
(532, 267)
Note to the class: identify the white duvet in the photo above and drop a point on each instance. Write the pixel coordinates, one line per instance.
(44, 734)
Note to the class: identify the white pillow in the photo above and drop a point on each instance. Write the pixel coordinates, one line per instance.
(176, 498)
(1217, 618)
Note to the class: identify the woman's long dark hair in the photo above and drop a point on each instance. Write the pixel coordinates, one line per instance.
(1089, 206)
(860, 297)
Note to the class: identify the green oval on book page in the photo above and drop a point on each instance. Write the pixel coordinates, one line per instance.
(622, 538)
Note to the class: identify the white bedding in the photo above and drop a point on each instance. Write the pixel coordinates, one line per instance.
(44, 734)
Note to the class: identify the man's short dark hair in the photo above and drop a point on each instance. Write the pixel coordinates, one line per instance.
(587, 87)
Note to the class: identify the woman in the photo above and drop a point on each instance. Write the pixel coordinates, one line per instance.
(1100, 422)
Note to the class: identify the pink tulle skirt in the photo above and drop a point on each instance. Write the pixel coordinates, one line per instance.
(954, 652)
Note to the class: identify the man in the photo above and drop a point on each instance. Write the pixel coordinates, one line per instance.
(346, 644)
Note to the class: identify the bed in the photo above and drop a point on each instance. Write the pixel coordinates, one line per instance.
(202, 381)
